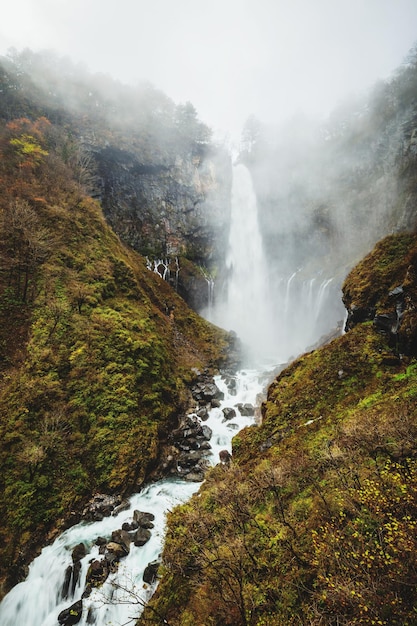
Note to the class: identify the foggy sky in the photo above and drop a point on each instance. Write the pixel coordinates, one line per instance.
(230, 58)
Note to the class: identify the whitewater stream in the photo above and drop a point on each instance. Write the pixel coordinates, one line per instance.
(38, 600)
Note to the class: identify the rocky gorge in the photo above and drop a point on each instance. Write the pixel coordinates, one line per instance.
(116, 220)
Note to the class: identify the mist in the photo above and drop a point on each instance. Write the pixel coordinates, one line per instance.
(269, 58)
(292, 88)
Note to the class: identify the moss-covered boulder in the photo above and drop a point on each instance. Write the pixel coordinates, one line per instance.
(383, 288)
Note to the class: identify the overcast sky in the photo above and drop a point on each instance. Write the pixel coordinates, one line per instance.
(230, 58)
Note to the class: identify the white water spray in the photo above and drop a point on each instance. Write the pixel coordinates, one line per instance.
(245, 306)
(277, 317)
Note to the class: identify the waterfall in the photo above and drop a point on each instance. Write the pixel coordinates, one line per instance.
(277, 315)
(38, 600)
(245, 307)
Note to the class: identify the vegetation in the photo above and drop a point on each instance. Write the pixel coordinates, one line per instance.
(314, 523)
(95, 350)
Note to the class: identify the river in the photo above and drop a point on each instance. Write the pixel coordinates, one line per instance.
(38, 600)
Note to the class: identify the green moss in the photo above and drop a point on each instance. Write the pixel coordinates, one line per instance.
(315, 521)
(95, 370)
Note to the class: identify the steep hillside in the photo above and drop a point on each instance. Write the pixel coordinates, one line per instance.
(96, 351)
(315, 520)
(162, 182)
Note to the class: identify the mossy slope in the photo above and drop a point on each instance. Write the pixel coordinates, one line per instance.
(95, 352)
(315, 521)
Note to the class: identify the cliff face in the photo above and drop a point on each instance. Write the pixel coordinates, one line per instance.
(171, 207)
(314, 522)
(163, 184)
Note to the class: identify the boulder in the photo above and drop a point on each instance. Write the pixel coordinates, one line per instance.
(129, 526)
(195, 476)
(72, 573)
(97, 572)
(203, 414)
(225, 457)
(102, 505)
(205, 391)
(151, 571)
(246, 410)
(228, 413)
(116, 550)
(143, 519)
(189, 459)
(123, 506)
(67, 582)
(206, 432)
(72, 614)
(141, 536)
(123, 538)
(78, 552)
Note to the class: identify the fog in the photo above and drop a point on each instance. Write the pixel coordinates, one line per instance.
(233, 58)
(326, 152)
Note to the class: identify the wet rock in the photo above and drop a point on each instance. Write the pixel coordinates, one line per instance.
(143, 519)
(129, 526)
(123, 538)
(97, 573)
(386, 323)
(72, 573)
(71, 615)
(102, 505)
(396, 292)
(141, 536)
(151, 572)
(117, 550)
(123, 506)
(67, 582)
(189, 459)
(225, 457)
(228, 413)
(78, 552)
(203, 414)
(246, 410)
(195, 476)
(206, 432)
(357, 315)
(206, 392)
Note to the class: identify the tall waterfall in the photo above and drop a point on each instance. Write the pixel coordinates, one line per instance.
(277, 313)
(245, 306)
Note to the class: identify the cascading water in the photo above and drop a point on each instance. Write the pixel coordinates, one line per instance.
(276, 316)
(38, 600)
(245, 307)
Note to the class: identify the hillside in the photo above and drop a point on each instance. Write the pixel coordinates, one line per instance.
(96, 351)
(314, 522)
(163, 184)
